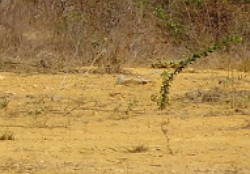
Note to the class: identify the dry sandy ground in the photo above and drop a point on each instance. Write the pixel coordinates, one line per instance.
(87, 124)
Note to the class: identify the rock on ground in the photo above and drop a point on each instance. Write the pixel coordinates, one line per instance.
(127, 80)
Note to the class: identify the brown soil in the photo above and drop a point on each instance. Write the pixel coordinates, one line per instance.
(87, 124)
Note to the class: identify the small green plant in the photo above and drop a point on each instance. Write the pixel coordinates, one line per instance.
(168, 77)
(4, 102)
(7, 135)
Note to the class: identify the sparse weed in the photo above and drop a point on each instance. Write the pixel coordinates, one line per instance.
(131, 105)
(40, 122)
(165, 131)
(38, 110)
(37, 106)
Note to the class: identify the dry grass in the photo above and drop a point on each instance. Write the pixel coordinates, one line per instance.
(44, 37)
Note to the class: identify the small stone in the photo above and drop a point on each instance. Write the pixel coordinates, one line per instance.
(125, 80)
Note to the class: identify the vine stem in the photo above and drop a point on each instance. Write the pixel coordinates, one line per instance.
(167, 77)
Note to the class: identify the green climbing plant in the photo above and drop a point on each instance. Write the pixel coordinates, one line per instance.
(168, 77)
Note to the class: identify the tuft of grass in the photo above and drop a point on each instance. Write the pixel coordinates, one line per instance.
(4, 102)
(7, 135)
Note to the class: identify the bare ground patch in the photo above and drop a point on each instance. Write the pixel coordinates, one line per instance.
(69, 123)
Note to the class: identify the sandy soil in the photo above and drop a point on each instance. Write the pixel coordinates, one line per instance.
(87, 124)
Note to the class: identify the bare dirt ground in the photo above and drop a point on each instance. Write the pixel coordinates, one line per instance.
(88, 124)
